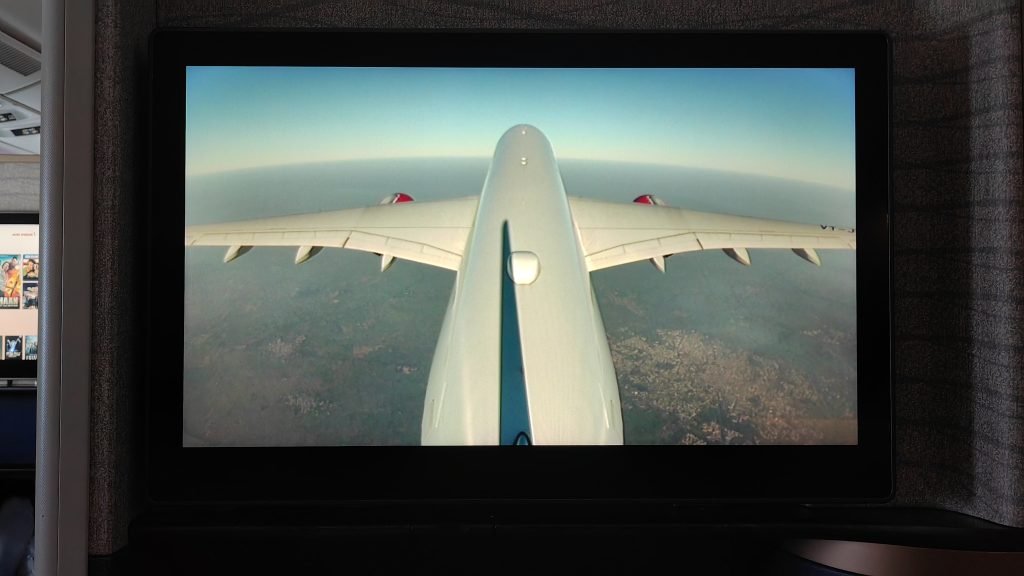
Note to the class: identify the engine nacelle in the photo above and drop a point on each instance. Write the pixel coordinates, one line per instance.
(649, 199)
(397, 198)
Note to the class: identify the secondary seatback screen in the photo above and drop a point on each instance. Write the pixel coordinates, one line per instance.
(19, 299)
(468, 256)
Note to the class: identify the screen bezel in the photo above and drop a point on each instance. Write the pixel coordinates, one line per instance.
(799, 473)
(19, 369)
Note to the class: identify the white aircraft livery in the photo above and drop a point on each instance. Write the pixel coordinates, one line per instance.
(522, 357)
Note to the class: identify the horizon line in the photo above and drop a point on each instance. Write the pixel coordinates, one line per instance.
(488, 158)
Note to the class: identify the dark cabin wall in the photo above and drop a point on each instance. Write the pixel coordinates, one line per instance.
(958, 220)
(116, 477)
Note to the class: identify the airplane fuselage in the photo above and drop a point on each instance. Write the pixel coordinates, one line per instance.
(522, 352)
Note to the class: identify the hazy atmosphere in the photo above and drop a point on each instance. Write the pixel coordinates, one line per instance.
(789, 123)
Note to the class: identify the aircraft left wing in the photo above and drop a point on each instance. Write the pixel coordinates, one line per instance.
(619, 233)
(432, 233)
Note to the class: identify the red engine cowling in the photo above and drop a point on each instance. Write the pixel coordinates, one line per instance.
(649, 199)
(396, 198)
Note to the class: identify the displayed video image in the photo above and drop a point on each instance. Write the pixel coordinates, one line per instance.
(19, 300)
(458, 256)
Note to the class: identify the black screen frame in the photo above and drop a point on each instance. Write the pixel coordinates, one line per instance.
(408, 474)
(19, 369)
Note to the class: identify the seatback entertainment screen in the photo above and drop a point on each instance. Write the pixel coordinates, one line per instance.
(525, 256)
(19, 295)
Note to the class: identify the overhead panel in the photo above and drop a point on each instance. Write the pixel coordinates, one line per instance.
(20, 97)
(18, 60)
(30, 96)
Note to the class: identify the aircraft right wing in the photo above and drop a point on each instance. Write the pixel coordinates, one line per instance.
(431, 233)
(619, 233)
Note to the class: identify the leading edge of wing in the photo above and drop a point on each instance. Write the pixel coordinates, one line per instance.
(619, 233)
(432, 233)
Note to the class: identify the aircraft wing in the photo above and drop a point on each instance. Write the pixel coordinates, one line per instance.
(431, 233)
(619, 233)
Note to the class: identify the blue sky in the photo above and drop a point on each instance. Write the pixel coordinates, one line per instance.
(790, 123)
